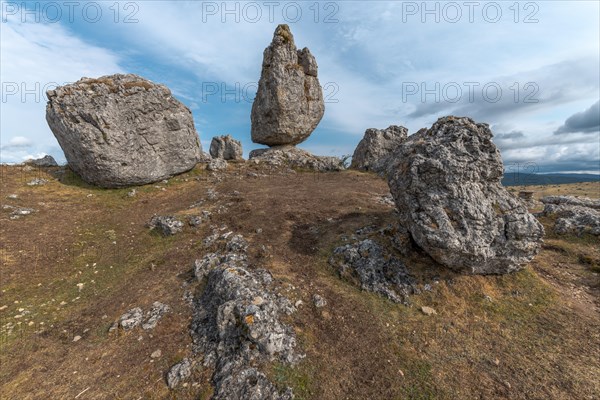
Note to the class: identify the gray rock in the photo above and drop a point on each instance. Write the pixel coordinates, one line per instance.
(226, 147)
(573, 201)
(179, 372)
(122, 130)
(446, 186)
(294, 157)
(166, 225)
(46, 161)
(236, 323)
(289, 102)
(37, 182)
(155, 314)
(574, 219)
(373, 269)
(373, 150)
(131, 319)
(319, 301)
(216, 164)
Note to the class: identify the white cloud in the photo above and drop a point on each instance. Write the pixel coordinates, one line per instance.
(36, 57)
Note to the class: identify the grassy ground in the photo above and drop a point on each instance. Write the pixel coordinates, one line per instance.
(85, 257)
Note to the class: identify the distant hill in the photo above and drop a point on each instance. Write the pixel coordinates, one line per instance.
(515, 178)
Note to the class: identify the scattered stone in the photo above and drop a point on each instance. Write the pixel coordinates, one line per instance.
(319, 301)
(13, 196)
(131, 319)
(226, 147)
(194, 220)
(572, 201)
(77, 338)
(179, 372)
(19, 212)
(156, 354)
(428, 311)
(289, 101)
(574, 219)
(446, 185)
(46, 161)
(373, 269)
(216, 164)
(294, 157)
(155, 314)
(132, 193)
(37, 182)
(236, 324)
(166, 225)
(374, 149)
(122, 130)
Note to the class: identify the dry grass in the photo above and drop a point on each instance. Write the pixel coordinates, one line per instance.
(528, 335)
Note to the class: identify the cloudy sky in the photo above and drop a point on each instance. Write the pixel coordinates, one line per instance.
(529, 69)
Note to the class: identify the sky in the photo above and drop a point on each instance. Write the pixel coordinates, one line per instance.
(529, 69)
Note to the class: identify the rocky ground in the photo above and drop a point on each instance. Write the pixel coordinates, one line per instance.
(75, 259)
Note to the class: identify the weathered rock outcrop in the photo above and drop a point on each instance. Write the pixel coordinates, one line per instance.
(122, 130)
(236, 324)
(296, 158)
(368, 265)
(289, 102)
(572, 201)
(226, 147)
(446, 186)
(576, 215)
(46, 161)
(373, 150)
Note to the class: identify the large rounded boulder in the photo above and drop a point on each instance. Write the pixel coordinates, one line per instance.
(289, 101)
(446, 186)
(122, 130)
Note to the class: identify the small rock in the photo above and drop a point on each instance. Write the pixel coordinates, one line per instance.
(77, 338)
(131, 318)
(155, 314)
(319, 301)
(179, 372)
(37, 182)
(132, 193)
(428, 310)
(166, 225)
(216, 164)
(156, 354)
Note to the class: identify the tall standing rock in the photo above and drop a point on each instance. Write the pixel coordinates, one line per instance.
(289, 101)
(373, 150)
(122, 130)
(446, 185)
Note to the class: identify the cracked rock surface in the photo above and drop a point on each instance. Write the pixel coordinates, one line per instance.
(289, 101)
(237, 323)
(122, 130)
(446, 185)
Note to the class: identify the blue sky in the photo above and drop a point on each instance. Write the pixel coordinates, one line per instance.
(529, 69)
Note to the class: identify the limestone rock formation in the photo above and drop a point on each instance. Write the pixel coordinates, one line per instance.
(572, 201)
(370, 266)
(46, 161)
(226, 147)
(446, 186)
(289, 102)
(122, 130)
(296, 158)
(576, 215)
(237, 322)
(373, 150)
